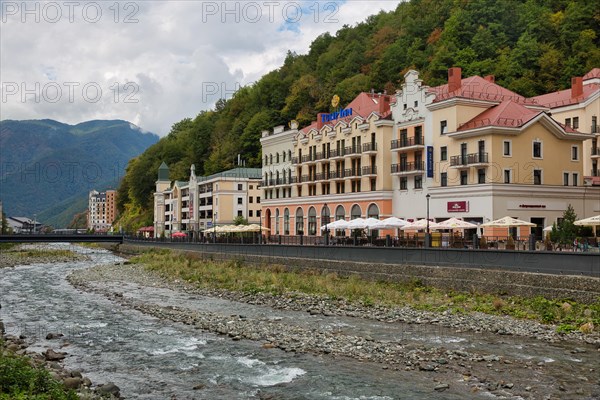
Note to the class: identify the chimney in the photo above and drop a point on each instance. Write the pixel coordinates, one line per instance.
(454, 79)
(576, 86)
(490, 78)
(320, 122)
(384, 104)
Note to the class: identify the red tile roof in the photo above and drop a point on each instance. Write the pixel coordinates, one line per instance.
(477, 88)
(594, 73)
(563, 97)
(362, 105)
(506, 114)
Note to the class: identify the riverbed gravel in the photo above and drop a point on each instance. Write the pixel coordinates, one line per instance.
(501, 376)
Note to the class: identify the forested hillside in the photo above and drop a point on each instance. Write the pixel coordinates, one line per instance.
(532, 47)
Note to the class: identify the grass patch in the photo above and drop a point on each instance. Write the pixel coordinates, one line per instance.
(21, 381)
(234, 275)
(35, 253)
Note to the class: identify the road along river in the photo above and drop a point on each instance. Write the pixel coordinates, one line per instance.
(157, 340)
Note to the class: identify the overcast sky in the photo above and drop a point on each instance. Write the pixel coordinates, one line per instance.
(150, 62)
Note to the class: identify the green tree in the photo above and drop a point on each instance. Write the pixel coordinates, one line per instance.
(239, 220)
(566, 231)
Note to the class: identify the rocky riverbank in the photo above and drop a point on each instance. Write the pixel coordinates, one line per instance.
(36, 254)
(500, 375)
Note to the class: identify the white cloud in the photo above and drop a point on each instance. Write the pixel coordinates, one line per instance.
(178, 58)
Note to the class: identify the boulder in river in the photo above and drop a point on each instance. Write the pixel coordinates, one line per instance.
(108, 389)
(52, 355)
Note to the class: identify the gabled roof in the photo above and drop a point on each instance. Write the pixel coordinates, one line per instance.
(477, 88)
(594, 73)
(362, 105)
(563, 97)
(506, 114)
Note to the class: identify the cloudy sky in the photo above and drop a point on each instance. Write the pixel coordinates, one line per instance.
(150, 62)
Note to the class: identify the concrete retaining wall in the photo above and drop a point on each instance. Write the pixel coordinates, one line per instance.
(467, 279)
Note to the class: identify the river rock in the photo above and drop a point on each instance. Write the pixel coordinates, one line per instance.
(52, 355)
(72, 383)
(51, 336)
(441, 387)
(109, 389)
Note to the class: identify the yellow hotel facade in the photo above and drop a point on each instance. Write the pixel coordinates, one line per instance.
(478, 150)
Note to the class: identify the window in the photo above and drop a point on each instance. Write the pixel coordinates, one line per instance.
(240, 200)
(266, 160)
(250, 213)
(405, 106)
(566, 179)
(443, 153)
(416, 103)
(257, 199)
(270, 158)
(418, 182)
(575, 122)
(444, 179)
(240, 186)
(258, 213)
(464, 178)
(507, 152)
(507, 176)
(443, 127)
(537, 176)
(481, 175)
(250, 199)
(240, 213)
(568, 121)
(286, 222)
(403, 183)
(373, 185)
(312, 221)
(537, 149)
(251, 187)
(277, 158)
(283, 156)
(574, 153)
(575, 179)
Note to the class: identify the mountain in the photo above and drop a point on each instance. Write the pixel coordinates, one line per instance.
(49, 167)
(530, 46)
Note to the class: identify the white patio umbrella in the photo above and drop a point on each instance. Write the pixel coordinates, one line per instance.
(339, 224)
(256, 228)
(547, 229)
(507, 222)
(455, 223)
(391, 223)
(361, 223)
(591, 221)
(419, 225)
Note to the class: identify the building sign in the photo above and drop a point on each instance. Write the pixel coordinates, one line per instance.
(336, 114)
(532, 205)
(458, 206)
(430, 161)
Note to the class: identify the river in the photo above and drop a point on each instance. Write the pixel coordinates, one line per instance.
(151, 358)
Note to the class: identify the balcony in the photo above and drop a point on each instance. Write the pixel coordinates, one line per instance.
(408, 168)
(294, 160)
(352, 151)
(351, 173)
(595, 172)
(369, 148)
(411, 143)
(369, 171)
(336, 153)
(335, 175)
(469, 160)
(321, 176)
(595, 152)
(267, 182)
(310, 158)
(595, 129)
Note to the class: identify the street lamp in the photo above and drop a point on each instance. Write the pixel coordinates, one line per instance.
(260, 224)
(427, 237)
(326, 210)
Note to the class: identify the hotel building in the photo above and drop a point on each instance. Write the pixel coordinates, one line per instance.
(206, 201)
(579, 108)
(479, 150)
(102, 210)
(338, 168)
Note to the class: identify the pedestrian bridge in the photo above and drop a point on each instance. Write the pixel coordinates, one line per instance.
(50, 238)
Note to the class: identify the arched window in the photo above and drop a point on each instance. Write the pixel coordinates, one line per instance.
(373, 211)
(355, 213)
(277, 221)
(266, 160)
(277, 158)
(340, 213)
(286, 222)
(312, 221)
(299, 221)
(270, 158)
